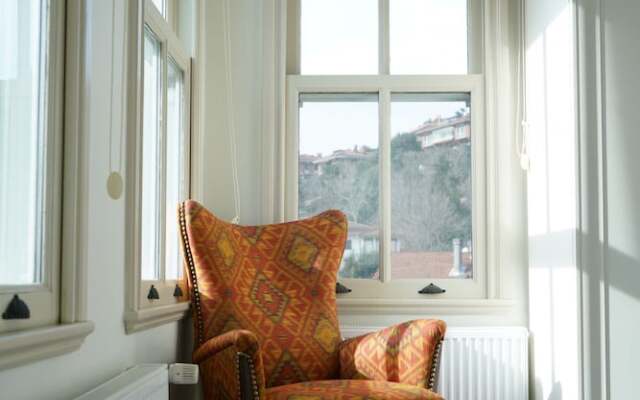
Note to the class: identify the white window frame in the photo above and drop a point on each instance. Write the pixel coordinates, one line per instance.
(142, 312)
(61, 325)
(42, 297)
(384, 86)
(482, 293)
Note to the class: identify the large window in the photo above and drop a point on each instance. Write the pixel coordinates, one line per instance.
(42, 204)
(163, 168)
(30, 161)
(385, 122)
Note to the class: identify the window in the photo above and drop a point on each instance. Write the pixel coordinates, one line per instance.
(161, 6)
(431, 194)
(338, 166)
(163, 174)
(41, 51)
(428, 36)
(30, 168)
(349, 47)
(395, 139)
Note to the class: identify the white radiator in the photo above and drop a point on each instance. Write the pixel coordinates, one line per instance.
(142, 382)
(480, 363)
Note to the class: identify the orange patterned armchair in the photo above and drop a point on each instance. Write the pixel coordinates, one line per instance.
(265, 319)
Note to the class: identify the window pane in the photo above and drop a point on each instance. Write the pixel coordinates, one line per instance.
(151, 161)
(339, 37)
(428, 36)
(175, 180)
(431, 186)
(160, 5)
(22, 141)
(338, 168)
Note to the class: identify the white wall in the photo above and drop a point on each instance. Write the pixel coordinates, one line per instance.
(606, 244)
(621, 57)
(246, 74)
(107, 351)
(552, 200)
(610, 174)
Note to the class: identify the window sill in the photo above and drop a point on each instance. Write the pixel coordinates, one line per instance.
(21, 347)
(151, 317)
(377, 306)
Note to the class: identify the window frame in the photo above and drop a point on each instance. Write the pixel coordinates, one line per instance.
(475, 36)
(385, 85)
(487, 29)
(42, 298)
(66, 331)
(143, 313)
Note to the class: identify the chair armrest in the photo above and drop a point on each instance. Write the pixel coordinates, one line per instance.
(405, 353)
(231, 366)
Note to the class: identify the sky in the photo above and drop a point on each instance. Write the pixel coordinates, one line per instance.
(325, 127)
(341, 37)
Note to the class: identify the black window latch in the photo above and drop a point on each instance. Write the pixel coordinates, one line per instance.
(17, 309)
(431, 289)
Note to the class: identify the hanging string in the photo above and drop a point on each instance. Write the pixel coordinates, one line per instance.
(113, 18)
(522, 125)
(231, 110)
(114, 179)
(123, 94)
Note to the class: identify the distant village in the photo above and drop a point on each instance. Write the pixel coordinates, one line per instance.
(363, 239)
(434, 132)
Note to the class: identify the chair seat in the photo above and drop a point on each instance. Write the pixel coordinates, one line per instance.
(349, 390)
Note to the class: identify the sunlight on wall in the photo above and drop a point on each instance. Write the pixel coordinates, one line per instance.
(552, 199)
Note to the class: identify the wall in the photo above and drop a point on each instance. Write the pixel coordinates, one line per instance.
(107, 351)
(215, 149)
(605, 245)
(552, 199)
(620, 57)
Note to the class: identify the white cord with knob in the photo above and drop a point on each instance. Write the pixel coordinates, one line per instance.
(231, 110)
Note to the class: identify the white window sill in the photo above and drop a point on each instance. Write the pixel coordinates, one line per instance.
(153, 316)
(377, 306)
(21, 347)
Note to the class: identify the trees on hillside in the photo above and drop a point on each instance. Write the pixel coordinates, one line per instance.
(430, 194)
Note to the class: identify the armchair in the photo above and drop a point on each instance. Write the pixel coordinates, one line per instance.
(265, 319)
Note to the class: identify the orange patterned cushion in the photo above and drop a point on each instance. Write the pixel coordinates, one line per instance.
(277, 281)
(401, 353)
(349, 390)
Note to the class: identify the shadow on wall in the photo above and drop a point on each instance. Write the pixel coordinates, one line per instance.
(555, 317)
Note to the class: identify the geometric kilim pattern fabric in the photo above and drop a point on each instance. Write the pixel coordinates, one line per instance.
(277, 281)
(402, 353)
(350, 390)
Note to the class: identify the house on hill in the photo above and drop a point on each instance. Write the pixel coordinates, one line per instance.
(444, 130)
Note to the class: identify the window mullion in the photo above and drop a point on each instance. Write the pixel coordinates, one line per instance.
(385, 184)
(475, 50)
(293, 37)
(163, 166)
(383, 37)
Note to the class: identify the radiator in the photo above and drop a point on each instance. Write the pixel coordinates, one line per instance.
(480, 363)
(142, 382)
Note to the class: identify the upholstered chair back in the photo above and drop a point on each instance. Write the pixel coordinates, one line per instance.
(277, 281)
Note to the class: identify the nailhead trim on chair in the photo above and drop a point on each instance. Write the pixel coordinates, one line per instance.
(254, 383)
(192, 273)
(433, 378)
